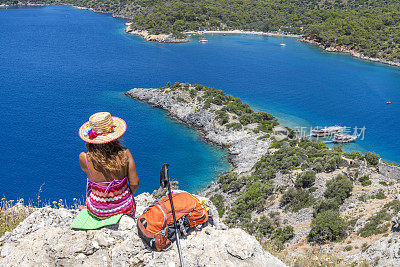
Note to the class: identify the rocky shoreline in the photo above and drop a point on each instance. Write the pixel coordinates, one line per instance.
(244, 147)
(169, 38)
(160, 38)
(343, 49)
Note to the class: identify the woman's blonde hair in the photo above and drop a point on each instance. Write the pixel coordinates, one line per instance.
(108, 157)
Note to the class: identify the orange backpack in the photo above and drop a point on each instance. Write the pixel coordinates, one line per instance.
(156, 224)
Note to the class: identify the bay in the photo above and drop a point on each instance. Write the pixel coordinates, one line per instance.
(58, 65)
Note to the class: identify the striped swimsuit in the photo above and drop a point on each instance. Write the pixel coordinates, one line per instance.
(109, 198)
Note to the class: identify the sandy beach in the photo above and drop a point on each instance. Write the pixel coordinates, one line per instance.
(274, 34)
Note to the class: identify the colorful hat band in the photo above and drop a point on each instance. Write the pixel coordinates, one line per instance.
(92, 134)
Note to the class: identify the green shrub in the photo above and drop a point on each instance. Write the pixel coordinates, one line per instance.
(354, 155)
(265, 136)
(222, 117)
(193, 93)
(377, 224)
(207, 104)
(278, 144)
(364, 180)
(260, 227)
(246, 119)
(305, 179)
(327, 226)
(353, 221)
(199, 87)
(250, 199)
(348, 248)
(379, 195)
(176, 85)
(234, 126)
(318, 167)
(363, 198)
(218, 200)
(371, 158)
(383, 183)
(364, 247)
(325, 205)
(297, 199)
(181, 100)
(339, 187)
(283, 234)
(380, 222)
(230, 182)
(267, 127)
(331, 162)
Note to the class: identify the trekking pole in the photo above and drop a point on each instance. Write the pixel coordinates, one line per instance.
(164, 182)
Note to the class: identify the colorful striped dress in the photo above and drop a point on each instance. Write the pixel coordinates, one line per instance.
(109, 198)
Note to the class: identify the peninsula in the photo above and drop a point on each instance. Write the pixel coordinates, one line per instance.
(294, 195)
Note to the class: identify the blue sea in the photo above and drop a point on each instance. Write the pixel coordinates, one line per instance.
(58, 65)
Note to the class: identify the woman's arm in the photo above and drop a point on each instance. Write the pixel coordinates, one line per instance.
(132, 174)
(82, 162)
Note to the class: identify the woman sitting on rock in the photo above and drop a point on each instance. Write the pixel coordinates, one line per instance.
(105, 163)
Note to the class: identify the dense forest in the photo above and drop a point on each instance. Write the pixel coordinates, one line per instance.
(371, 27)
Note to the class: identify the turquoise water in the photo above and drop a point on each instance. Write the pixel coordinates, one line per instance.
(60, 64)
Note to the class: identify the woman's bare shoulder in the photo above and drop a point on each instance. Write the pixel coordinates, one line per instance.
(82, 160)
(129, 156)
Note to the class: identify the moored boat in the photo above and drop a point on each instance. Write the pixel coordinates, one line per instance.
(344, 138)
(326, 131)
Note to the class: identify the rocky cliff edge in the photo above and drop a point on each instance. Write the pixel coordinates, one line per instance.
(45, 239)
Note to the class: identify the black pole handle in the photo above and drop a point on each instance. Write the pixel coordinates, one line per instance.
(165, 182)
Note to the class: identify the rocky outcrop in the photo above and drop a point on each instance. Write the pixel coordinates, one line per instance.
(389, 170)
(243, 145)
(160, 38)
(386, 250)
(45, 239)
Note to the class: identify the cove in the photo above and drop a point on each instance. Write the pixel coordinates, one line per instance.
(60, 64)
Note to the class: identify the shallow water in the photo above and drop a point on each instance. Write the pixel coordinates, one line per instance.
(60, 64)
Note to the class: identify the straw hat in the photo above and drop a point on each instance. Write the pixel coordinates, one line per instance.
(102, 128)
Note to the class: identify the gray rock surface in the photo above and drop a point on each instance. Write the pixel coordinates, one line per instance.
(45, 239)
(386, 250)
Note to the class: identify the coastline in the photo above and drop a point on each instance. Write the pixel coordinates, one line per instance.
(244, 147)
(272, 34)
(181, 105)
(168, 38)
(160, 38)
(163, 38)
(342, 49)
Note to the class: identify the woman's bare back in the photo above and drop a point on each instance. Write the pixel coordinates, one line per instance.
(99, 175)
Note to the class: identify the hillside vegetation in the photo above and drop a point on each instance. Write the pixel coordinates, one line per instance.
(370, 27)
(299, 195)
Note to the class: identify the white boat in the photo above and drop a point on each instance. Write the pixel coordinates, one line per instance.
(327, 131)
(203, 41)
(282, 44)
(344, 138)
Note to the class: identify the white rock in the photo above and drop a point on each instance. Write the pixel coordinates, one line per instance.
(56, 244)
